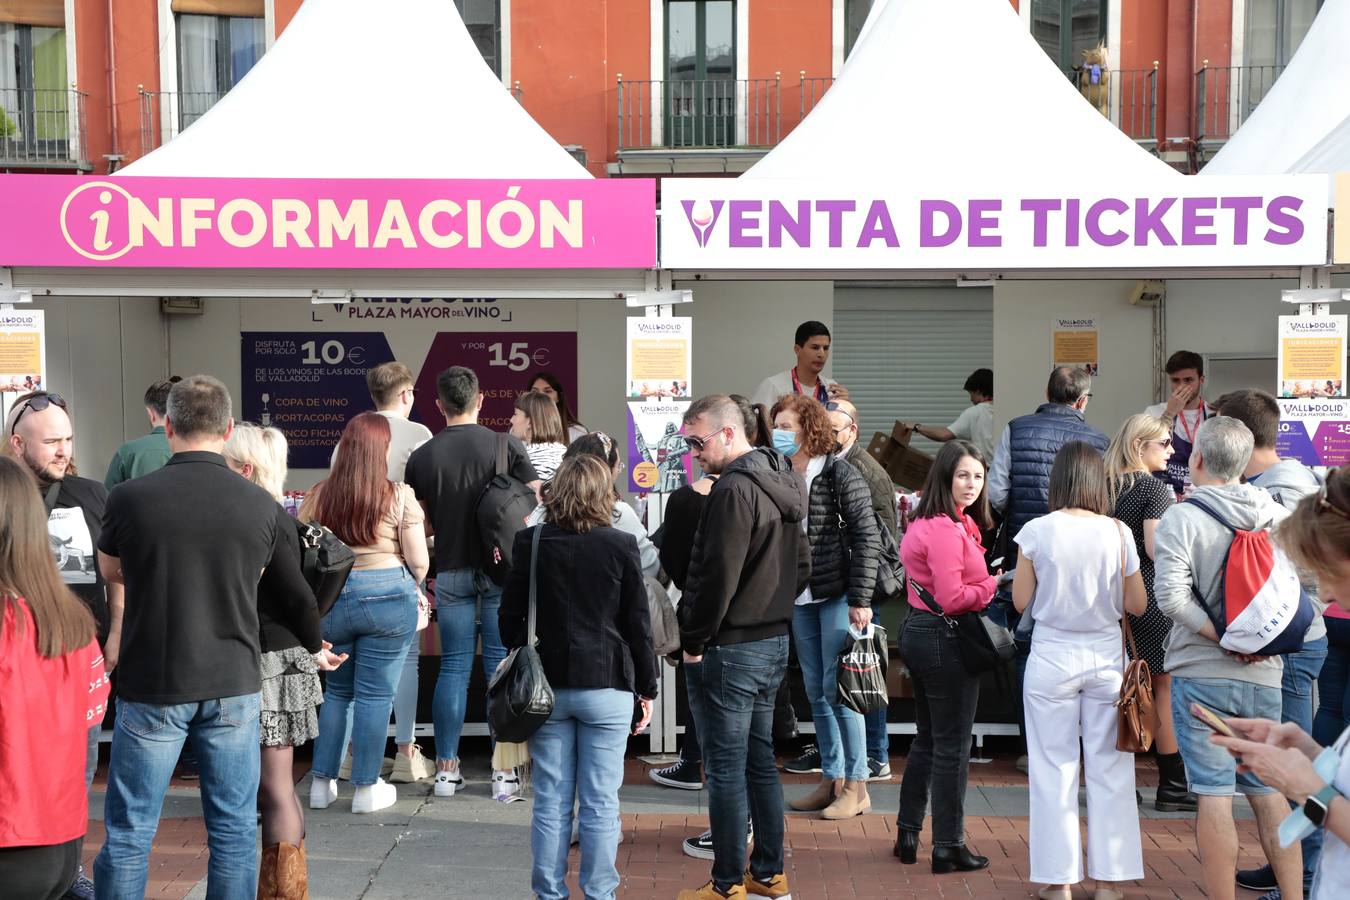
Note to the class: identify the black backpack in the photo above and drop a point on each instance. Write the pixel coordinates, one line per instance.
(325, 562)
(502, 509)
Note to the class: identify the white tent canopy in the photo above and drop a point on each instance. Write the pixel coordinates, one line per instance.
(1329, 155)
(344, 94)
(903, 107)
(1310, 100)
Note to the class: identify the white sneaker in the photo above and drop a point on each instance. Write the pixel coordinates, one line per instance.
(371, 797)
(411, 769)
(448, 782)
(322, 793)
(506, 785)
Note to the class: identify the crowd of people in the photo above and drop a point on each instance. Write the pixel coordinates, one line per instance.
(186, 576)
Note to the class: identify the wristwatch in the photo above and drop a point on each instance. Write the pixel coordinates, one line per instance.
(1318, 806)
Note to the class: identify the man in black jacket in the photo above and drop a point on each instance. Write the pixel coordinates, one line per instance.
(750, 561)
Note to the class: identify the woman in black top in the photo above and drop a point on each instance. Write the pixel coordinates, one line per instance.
(594, 640)
(293, 653)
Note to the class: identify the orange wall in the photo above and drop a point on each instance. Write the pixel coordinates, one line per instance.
(789, 37)
(136, 54)
(91, 61)
(283, 12)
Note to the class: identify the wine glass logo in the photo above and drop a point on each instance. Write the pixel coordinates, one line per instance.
(702, 216)
(265, 419)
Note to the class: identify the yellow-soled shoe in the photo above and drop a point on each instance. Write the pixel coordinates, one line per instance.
(710, 892)
(776, 887)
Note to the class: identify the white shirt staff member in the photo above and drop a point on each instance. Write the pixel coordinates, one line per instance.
(1185, 410)
(812, 346)
(976, 422)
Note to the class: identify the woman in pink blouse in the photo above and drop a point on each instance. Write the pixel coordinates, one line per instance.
(942, 554)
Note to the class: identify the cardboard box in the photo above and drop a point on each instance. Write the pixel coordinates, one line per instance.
(906, 466)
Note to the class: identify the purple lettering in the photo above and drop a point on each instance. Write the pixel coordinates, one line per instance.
(1197, 213)
(928, 211)
(798, 228)
(1242, 208)
(1040, 218)
(835, 210)
(744, 222)
(1280, 214)
(1092, 222)
(878, 225)
(983, 216)
(1149, 220)
(1071, 222)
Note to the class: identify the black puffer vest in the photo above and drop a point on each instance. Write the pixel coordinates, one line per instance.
(1033, 442)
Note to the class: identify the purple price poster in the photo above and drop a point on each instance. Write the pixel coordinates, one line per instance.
(309, 384)
(1315, 432)
(504, 362)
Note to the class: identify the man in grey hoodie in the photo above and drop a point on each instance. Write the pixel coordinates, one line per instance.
(1287, 481)
(1189, 552)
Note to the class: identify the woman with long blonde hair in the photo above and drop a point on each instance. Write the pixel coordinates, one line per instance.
(1138, 498)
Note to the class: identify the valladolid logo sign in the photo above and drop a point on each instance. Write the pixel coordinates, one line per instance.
(299, 223)
(750, 223)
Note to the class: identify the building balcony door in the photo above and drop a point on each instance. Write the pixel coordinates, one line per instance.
(1065, 28)
(701, 89)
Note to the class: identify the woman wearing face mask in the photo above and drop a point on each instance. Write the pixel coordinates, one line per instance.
(845, 547)
(1138, 499)
(942, 553)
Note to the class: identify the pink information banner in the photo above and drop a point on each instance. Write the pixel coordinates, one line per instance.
(57, 220)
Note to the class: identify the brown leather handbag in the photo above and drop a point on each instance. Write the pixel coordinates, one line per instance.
(1136, 719)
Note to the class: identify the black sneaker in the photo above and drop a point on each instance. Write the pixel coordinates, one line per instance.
(1262, 879)
(701, 847)
(878, 770)
(805, 764)
(686, 776)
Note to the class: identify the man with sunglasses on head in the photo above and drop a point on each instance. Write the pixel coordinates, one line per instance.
(1288, 481)
(41, 435)
(749, 563)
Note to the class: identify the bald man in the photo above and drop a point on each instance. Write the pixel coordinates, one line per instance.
(844, 416)
(40, 434)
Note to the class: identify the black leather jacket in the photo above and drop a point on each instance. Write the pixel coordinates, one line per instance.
(842, 534)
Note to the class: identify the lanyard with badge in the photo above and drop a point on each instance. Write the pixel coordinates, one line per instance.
(1183, 441)
(821, 392)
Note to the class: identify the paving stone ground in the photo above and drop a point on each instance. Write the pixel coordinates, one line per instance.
(472, 847)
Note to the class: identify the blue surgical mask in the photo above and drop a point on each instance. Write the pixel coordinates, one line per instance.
(785, 442)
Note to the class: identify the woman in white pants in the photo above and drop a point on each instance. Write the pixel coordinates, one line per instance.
(1077, 574)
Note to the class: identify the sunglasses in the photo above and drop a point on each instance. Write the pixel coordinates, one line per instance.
(38, 404)
(698, 443)
(1164, 442)
(1324, 503)
(836, 406)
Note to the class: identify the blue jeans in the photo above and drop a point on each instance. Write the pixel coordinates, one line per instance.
(821, 631)
(374, 620)
(731, 696)
(578, 757)
(878, 741)
(146, 742)
(467, 603)
(1300, 671)
(1333, 685)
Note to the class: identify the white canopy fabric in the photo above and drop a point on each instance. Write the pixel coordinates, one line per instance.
(1310, 99)
(904, 107)
(1329, 155)
(344, 94)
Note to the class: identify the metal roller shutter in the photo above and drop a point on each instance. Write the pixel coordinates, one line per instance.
(904, 353)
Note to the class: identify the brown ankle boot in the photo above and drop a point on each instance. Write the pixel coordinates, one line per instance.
(824, 794)
(267, 873)
(853, 801)
(292, 872)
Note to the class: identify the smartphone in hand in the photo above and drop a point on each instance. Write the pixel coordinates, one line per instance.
(1210, 718)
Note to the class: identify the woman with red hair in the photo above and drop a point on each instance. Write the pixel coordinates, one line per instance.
(375, 617)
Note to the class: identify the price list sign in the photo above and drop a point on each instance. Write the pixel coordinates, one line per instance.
(504, 362)
(1315, 432)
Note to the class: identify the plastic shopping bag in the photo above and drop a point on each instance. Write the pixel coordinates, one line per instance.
(862, 670)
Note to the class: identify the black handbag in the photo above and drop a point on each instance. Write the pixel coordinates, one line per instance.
(520, 699)
(984, 644)
(325, 561)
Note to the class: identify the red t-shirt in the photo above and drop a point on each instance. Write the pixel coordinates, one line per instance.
(47, 707)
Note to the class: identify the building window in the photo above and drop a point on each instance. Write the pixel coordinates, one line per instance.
(1065, 28)
(1275, 28)
(214, 54)
(483, 19)
(701, 73)
(34, 97)
(855, 15)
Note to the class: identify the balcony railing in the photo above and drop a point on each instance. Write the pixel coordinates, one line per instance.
(1128, 97)
(813, 87)
(42, 128)
(1225, 97)
(703, 113)
(164, 114)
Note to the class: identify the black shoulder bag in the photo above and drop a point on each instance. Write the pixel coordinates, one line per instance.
(520, 699)
(984, 644)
